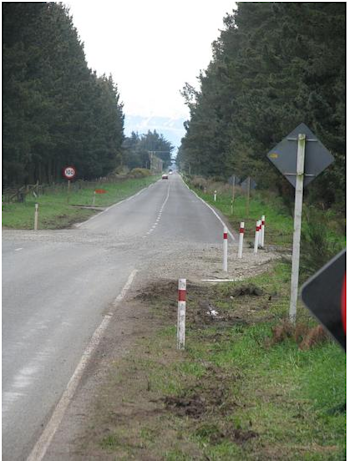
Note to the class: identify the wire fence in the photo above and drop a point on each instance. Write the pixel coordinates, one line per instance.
(19, 194)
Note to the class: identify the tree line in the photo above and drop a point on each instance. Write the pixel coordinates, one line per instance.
(139, 147)
(56, 110)
(274, 66)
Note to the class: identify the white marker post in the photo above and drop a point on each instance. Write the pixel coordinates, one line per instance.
(240, 243)
(94, 198)
(36, 216)
(225, 250)
(181, 314)
(256, 243)
(214, 195)
(262, 241)
(299, 188)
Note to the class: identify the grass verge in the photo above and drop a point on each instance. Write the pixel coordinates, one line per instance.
(57, 210)
(244, 388)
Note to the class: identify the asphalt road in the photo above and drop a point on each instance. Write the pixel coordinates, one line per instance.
(58, 285)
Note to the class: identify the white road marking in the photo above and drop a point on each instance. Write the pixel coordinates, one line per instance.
(116, 204)
(160, 213)
(18, 249)
(215, 213)
(44, 441)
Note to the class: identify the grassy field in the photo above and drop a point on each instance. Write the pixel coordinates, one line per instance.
(58, 210)
(247, 387)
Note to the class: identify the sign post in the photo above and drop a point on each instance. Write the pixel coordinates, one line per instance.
(300, 163)
(69, 173)
(298, 208)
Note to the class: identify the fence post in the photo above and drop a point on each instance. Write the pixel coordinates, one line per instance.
(36, 216)
(240, 243)
(181, 314)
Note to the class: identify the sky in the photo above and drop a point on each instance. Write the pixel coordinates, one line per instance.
(151, 47)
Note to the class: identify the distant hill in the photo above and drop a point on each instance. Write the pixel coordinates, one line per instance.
(171, 128)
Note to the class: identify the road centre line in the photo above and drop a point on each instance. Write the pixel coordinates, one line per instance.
(215, 213)
(46, 437)
(160, 213)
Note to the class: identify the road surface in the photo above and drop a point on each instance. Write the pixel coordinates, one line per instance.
(58, 285)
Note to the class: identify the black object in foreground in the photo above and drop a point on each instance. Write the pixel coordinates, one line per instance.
(324, 294)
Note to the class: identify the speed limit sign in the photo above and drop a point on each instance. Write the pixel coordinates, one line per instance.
(69, 172)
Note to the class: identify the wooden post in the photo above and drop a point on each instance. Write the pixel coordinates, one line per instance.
(298, 208)
(248, 196)
(36, 217)
(233, 192)
(68, 191)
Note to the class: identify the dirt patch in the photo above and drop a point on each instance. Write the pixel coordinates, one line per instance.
(246, 290)
(217, 435)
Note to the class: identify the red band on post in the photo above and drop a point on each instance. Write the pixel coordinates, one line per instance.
(182, 295)
(225, 235)
(241, 230)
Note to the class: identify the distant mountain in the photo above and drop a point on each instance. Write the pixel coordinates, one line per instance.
(171, 128)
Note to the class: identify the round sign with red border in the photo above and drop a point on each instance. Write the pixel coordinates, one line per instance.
(69, 172)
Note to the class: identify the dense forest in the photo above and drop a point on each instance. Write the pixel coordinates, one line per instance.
(56, 111)
(274, 66)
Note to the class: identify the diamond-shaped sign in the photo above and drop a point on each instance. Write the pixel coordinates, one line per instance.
(244, 184)
(284, 156)
(324, 295)
(234, 180)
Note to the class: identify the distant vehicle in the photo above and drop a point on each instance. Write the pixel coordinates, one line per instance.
(170, 172)
(164, 176)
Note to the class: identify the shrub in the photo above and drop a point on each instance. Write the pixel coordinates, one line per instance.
(139, 173)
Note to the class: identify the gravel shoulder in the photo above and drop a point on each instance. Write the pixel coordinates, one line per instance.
(133, 320)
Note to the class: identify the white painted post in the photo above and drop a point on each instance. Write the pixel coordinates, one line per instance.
(181, 314)
(256, 243)
(298, 208)
(94, 199)
(263, 231)
(225, 250)
(36, 216)
(240, 243)
(214, 195)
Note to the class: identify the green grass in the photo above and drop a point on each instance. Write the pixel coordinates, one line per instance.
(262, 400)
(57, 210)
(278, 222)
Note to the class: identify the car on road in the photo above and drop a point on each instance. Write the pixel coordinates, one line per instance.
(165, 176)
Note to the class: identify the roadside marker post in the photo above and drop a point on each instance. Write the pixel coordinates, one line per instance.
(36, 216)
(240, 243)
(262, 241)
(94, 198)
(257, 231)
(214, 195)
(181, 314)
(225, 249)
